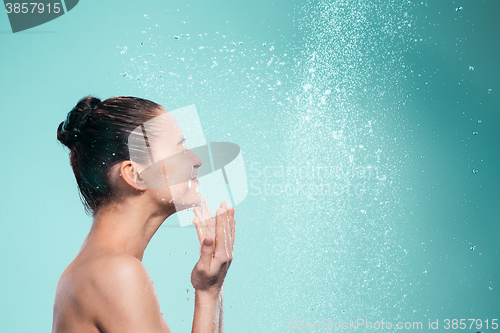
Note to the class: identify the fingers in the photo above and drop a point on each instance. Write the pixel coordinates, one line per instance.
(227, 231)
(216, 253)
(210, 223)
(221, 230)
(233, 228)
(206, 252)
(219, 234)
(221, 249)
(200, 224)
(204, 222)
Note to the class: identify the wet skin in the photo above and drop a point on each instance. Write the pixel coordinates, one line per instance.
(106, 288)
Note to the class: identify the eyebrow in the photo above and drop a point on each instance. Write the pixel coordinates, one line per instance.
(182, 141)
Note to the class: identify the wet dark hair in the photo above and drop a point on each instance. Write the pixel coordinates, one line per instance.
(96, 132)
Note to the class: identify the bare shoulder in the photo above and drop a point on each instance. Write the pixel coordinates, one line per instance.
(115, 293)
(113, 272)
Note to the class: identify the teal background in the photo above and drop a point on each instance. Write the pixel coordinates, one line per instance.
(409, 89)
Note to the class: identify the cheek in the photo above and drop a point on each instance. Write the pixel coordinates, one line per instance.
(154, 177)
(164, 196)
(178, 169)
(178, 174)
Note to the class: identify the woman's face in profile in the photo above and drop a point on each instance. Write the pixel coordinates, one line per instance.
(172, 176)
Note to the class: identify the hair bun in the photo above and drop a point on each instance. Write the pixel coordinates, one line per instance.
(69, 131)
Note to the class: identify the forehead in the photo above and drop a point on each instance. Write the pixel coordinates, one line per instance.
(158, 138)
(163, 126)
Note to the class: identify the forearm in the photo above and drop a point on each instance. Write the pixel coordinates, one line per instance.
(221, 297)
(207, 312)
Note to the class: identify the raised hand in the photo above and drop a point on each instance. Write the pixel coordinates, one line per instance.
(216, 247)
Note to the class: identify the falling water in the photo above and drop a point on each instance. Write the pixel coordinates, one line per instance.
(336, 238)
(331, 187)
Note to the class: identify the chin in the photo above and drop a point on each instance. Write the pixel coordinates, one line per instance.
(188, 202)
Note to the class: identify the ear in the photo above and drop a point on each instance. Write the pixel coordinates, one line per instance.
(129, 171)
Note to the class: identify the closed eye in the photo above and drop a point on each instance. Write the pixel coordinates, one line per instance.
(183, 142)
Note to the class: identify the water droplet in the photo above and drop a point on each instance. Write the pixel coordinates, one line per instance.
(474, 133)
(146, 16)
(473, 248)
(241, 43)
(475, 170)
(176, 37)
(124, 74)
(471, 68)
(479, 121)
(458, 9)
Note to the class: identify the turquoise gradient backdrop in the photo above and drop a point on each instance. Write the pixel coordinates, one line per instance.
(369, 129)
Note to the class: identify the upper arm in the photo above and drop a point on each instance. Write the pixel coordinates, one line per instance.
(126, 298)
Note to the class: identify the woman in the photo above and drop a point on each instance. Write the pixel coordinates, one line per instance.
(106, 288)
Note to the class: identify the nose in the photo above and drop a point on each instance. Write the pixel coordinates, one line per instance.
(197, 162)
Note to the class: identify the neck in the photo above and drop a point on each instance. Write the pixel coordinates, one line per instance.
(126, 227)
